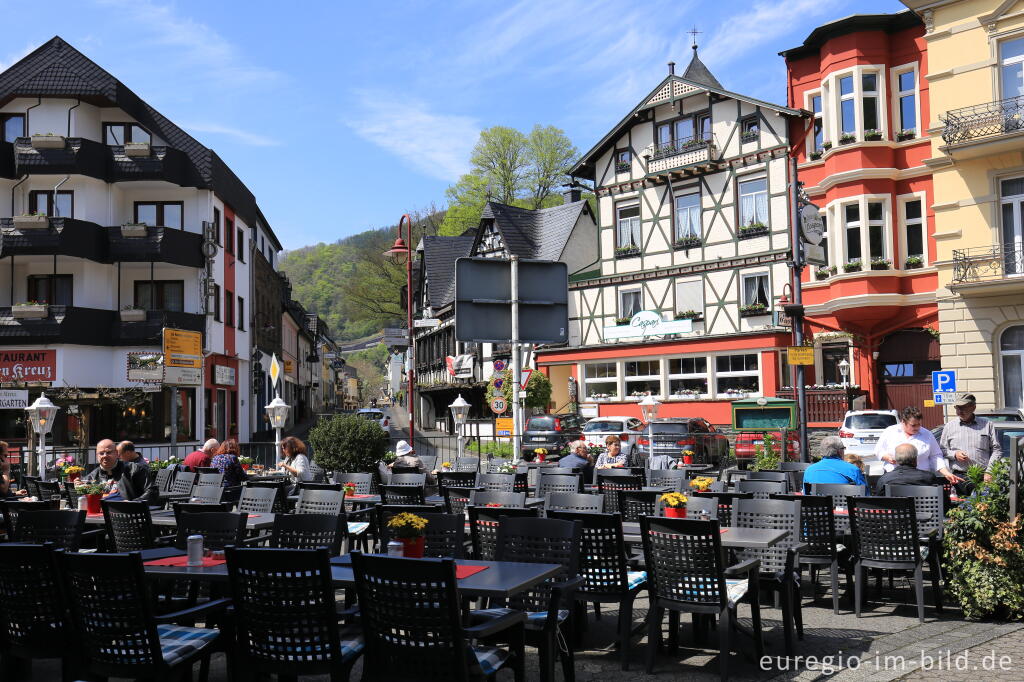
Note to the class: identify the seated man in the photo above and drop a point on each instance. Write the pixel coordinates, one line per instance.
(906, 471)
(201, 458)
(831, 468)
(127, 479)
(579, 458)
(126, 450)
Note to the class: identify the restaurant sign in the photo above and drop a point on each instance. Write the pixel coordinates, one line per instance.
(648, 323)
(13, 399)
(28, 366)
(224, 375)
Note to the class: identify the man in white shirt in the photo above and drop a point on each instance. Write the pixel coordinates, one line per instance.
(908, 430)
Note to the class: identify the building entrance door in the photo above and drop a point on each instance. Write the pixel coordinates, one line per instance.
(906, 360)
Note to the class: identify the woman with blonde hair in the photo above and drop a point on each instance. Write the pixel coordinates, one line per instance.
(295, 462)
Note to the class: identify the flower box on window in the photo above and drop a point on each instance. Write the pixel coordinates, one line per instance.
(880, 263)
(913, 262)
(31, 222)
(852, 266)
(621, 167)
(48, 141)
(600, 397)
(133, 315)
(134, 230)
(825, 272)
(752, 230)
(750, 136)
(622, 320)
(686, 243)
(825, 146)
(753, 309)
(689, 315)
(627, 251)
(685, 394)
(29, 311)
(872, 135)
(737, 394)
(136, 149)
(904, 135)
(815, 155)
(847, 138)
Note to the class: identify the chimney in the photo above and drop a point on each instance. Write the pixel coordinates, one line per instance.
(671, 68)
(572, 195)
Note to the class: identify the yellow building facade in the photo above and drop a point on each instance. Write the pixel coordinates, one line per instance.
(976, 83)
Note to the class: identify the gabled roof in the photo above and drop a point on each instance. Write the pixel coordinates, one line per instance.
(56, 69)
(540, 234)
(439, 256)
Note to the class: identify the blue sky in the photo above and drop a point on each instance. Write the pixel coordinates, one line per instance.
(340, 116)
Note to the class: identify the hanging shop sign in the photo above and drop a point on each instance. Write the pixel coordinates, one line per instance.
(648, 323)
(33, 366)
(223, 375)
(147, 367)
(13, 399)
(812, 230)
(460, 366)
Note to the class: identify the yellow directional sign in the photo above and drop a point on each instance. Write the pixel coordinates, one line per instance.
(183, 348)
(275, 370)
(929, 403)
(503, 427)
(800, 355)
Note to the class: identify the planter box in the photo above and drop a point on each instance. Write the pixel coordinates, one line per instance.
(912, 266)
(48, 142)
(632, 253)
(691, 243)
(821, 275)
(29, 312)
(31, 222)
(695, 318)
(136, 149)
(850, 141)
(849, 270)
(872, 138)
(880, 267)
(752, 232)
(754, 313)
(737, 396)
(134, 230)
(133, 315)
(682, 397)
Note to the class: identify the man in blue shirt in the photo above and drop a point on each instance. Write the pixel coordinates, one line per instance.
(831, 468)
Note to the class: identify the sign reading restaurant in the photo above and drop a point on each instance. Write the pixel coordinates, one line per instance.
(20, 366)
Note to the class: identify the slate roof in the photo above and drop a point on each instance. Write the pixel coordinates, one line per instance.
(439, 256)
(56, 69)
(540, 234)
(696, 72)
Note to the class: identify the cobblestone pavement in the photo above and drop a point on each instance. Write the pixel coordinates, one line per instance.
(887, 643)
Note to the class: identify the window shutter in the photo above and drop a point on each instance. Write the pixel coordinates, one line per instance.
(690, 296)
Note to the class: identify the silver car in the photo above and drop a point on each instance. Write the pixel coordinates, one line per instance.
(860, 432)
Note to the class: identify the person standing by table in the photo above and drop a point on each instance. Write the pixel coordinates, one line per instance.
(908, 430)
(969, 440)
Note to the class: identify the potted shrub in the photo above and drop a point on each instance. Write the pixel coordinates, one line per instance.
(689, 315)
(752, 309)
(752, 230)
(913, 262)
(626, 251)
(675, 505)
(29, 310)
(408, 529)
(93, 493)
(768, 455)
(815, 155)
(620, 321)
(880, 263)
(872, 135)
(134, 230)
(348, 444)
(31, 221)
(686, 243)
(847, 138)
(246, 463)
(825, 146)
(852, 266)
(132, 314)
(349, 488)
(136, 149)
(47, 141)
(702, 483)
(906, 135)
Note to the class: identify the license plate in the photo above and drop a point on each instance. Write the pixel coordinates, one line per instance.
(869, 439)
(538, 438)
(758, 442)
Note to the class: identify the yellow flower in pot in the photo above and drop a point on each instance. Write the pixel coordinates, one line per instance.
(408, 529)
(702, 483)
(675, 505)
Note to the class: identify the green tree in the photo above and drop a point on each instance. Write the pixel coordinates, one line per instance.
(501, 155)
(551, 154)
(538, 389)
(348, 443)
(466, 199)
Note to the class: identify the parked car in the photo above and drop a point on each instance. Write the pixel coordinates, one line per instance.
(628, 429)
(860, 431)
(1003, 414)
(553, 432)
(674, 435)
(375, 415)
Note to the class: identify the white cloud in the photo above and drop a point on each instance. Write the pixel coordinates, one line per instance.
(245, 137)
(16, 56)
(436, 144)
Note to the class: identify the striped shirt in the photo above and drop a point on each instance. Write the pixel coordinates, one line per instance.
(977, 438)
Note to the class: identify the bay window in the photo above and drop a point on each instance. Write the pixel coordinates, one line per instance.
(688, 216)
(737, 373)
(628, 227)
(913, 230)
(869, 100)
(753, 202)
(688, 376)
(851, 213)
(865, 231)
(600, 380)
(642, 376)
(847, 106)
(876, 230)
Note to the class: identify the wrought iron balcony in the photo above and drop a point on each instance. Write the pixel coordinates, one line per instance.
(991, 119)
(988, 263)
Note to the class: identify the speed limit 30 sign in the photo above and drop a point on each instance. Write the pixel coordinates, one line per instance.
(498, 405)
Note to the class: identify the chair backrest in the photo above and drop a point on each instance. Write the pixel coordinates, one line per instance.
(215, 479)
(429, 462)
(559, 471)
(397, 470)
(111, 616)
(464, 464)
(559, 483)
(456, 479)
(636, 503)
(573, 502)
(456, 499)
(521, 480)
(496, 482)
(725, 502)
(794, 466)
(318, 472)
(774, 515)
(402, 494)
(309, 531)
(928, 499)
(838, 491)
(361, 481)
(33, 606)
(610, 485)
(49, 490)
(163, 479)
(817, 524)
(12, 509)
(884, 529)
(548, 541)
(494, 464)
(306, 485)
(762, 489)
(182, 483)
(414, 480)
(676, 478)
(207, 470)
(444, 536)
(320, 502)
(411, 620)
(275, 634)
(684, 562)
(768, 476)
(199, 508)
(482, 498)
(483, 527)
(31, 484)
(206, 494)
(602, 551)
(701, 507)
(218, 529)
(257, 500)
(280, 491)
(129, 525)
(62, 528)
(733, 475)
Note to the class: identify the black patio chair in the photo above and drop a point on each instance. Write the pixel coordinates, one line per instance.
(494, 464)
(762, 489)
(280, 489)
(402, 494)
(705, 508)
(482, 498)
(607, 578)
(64, 528)
(464, 464)
(609, 485)
(309, 531)
(11, 509)
(839, 491)
(414, 480)
(725, 503)
(320, 501)
(559, 483)
(362, 482)
(686, 575)
(677, 479)
(318, 472)
(162, 479)
(214, 479)
(129, 526)
(559, 471)
(573, 502)
(456, 479)
(397, 470)
(483, 527)
(456, 499)
(49, 490)
(207, 470)
(206, 494)
(307, 485)
(218, 529)
(498, 483)
(182, 484)
(636, 503)
(818, 533)
(769, 475)
(199, 508)
(444, 536)
(257, 500)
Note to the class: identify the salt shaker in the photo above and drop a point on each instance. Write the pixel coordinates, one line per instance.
(195, 550)
(395, 548)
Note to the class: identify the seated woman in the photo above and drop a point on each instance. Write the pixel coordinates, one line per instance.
(226, 462)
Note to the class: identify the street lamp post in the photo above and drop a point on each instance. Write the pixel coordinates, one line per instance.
(277, 413)
(41, 414)
(649, 406)
(844, 369)
(404, 248)
(460, 411)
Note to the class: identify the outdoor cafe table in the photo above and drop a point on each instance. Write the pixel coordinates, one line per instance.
(736, 538)
(165, 517)
(370, 500)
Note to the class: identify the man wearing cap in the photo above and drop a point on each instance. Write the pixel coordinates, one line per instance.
(969, 440)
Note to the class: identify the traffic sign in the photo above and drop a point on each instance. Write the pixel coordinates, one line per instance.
(944, 381)
(275, 370)
(498, 405)
(946, 398)
(503, 427)
(524, 377)
(499, 365)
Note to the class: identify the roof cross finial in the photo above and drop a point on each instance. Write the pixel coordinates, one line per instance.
(694, 33)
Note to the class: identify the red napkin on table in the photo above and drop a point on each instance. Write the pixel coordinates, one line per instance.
(466, 571)
(842, 512)
(94, 515)
(351, 496)
(723, 530)
(253, 516)
(183, 561)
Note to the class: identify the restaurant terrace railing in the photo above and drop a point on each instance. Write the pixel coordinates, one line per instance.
(984, 120)
(825, 405)
(987, 263)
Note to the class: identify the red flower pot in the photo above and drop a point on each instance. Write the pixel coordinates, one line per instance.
(675, 512)
(540, 457)
(74, 477)
(92, 504)
(246, 467)
(412, 548)
(687, 459)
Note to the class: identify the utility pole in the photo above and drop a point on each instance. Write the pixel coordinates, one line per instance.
(795, 311)
(516, 362)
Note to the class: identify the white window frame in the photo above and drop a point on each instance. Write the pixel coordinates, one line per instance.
(869, 223)
(838, 226)
(743, 288)
(851, 97)
(815, 117)
(690, 210)
(705, 375)
(700, 286)
(898, 95)
(650, 378)
(622, 307)
(715, 374)
(901, 201)
(876, 94)
(740, 181)
(832, 105)
(587, 381)
(1000, 63)
(1018, 354)
(634, 228)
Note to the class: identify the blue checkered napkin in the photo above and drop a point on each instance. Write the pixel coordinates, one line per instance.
(534, 619)
(636, 578)
(735, 589)
(178, 641)
(486, 660)
(357, 527)
(351, 643)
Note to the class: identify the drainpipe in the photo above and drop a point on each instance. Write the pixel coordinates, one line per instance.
(39, 100)
(69, 115)
(12, 192)
(56, 211)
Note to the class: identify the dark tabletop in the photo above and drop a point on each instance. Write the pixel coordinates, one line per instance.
(165, 517)
(739, 538)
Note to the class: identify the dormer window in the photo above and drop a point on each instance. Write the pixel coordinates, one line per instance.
(121, 133)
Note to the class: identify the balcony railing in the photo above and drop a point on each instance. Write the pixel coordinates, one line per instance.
(988, 263)
(689, 144)
(984, 120)
(825, 405)
(666, 156)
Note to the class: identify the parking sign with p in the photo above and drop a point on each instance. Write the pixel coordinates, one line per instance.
(944, 381)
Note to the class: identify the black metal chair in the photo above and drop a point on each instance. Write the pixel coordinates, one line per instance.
(218, 529)
(49, 490)
(429, 462)
(162, 480)
(318, 472)
(779, 568)
(456, 479)
(32, 609)
(31, 484)
(886, 537)
(686, 575)
(761, 489)
(607, 578)
(362, 482)
(444, 536)
(64, 528)
(725, 503)
(769, 475)
(214, 479)
(482, 498)
(199, 508)
(839, 492)
(818, 533)
(11, 509)
(483, 527)
(206, 494)
(705, 508)
(402, 494)
(410, 614)
(929, 501)
(312, 501)
(257, 500)
(306, 485)
(559, 483)
(456, 499)
(677, 479)
(573, 502)
(280, 489)
(129, 526)
(402, 471)
(182, 484)
(464, 464)
(549, 605)
(412, 479)
(636, 503)
(115, 627)
(498, 483)
(609, 485)
(309, 531)
(279, 633)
